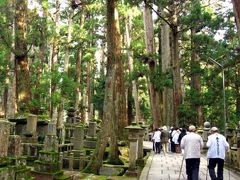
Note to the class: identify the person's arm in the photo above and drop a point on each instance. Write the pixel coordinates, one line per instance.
(226, 144)
(209, 142)
(183, 142)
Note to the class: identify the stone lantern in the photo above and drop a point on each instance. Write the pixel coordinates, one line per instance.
(133, 137)
(206, 129)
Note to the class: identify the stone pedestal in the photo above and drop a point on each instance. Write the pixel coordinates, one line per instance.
(4, 137)
(91, 139)
(133, 137)
(15, 146)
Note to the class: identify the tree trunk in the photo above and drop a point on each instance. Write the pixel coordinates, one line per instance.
(78, 100)
(166, 65)
(88, 93)
(23, 91)
(130, 64)
(149, 43)
(236, 9)
(109, 123)
(196, 82)
(53, 58)
(69, 39)
(119, 120)
(177, 92)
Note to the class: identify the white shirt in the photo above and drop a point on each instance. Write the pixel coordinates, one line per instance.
(175, 137)
(217, 145)
(192, 144)
(157, 136)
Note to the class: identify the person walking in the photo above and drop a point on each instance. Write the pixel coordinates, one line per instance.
(175, 140)
(164, 139)
(192, 144)
(217, 145)
(157, 140)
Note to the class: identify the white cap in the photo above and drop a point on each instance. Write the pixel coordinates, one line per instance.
(214, 129)
(192, 128)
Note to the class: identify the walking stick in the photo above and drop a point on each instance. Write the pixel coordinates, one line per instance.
(229, 172)
(207, 169)
(181, 169)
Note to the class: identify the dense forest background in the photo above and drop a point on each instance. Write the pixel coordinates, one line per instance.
(121, 61)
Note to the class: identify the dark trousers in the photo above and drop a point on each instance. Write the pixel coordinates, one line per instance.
(157, 146)
(192, 168)
(173, 146)
(211, 166)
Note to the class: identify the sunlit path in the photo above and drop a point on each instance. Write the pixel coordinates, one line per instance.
(167, 167)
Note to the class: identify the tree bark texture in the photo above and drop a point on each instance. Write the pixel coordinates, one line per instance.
(149, 43)
(196, 81)
(130, 64)
(21, 60)
(177, 92)
(53, 58)
(119, 120)
(166, 65)
(109, 123)
(236, 9)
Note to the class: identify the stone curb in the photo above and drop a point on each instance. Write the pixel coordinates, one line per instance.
(145, 171)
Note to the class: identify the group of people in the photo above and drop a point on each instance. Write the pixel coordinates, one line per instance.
(190, 144)
(160, 139)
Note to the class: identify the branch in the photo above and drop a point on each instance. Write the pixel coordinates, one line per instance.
(158, 14)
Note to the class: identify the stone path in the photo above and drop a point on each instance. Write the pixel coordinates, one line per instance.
(168, 167)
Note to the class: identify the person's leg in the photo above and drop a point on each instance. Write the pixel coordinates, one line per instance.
(189, 169)
(154, 146)
(195, 168)
(166, 147)
(157, 144)
(173, 147)
(211, 167)
(220, 163)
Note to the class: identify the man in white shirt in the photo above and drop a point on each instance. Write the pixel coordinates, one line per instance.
(157, 140)
(217, 145)
(192, 144)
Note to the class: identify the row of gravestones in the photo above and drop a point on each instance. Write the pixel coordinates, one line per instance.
(14, 146)
(233, 155)
(72, 156)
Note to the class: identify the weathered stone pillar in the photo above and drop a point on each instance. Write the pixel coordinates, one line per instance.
(4, 135)
(133, 143)
(205, 134)
(78, 137)
(32, 124)
(61, 160)
(140, 160)
(82, 160)
(52, 129)
(145, 127)
(92, 129)
(51, 141)
(70, 160)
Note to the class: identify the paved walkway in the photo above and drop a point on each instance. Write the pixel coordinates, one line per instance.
(168, 167)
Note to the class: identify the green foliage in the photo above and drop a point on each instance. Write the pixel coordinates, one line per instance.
(186, 115)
